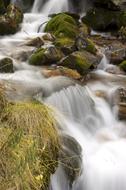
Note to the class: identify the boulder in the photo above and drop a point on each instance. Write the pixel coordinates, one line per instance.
(70, 157)
(103, 19)
(45, 56)
(6, 65)
(111, 4)
(67, 45)
(82, 61)
(87, 44)
(9, 22)
(62, 25)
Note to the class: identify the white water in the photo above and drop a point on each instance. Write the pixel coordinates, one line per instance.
(90, 120)
(49, 7)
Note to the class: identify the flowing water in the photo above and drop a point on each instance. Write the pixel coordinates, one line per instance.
(90, 119)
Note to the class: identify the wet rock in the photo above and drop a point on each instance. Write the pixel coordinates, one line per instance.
(117, 56)
(82, 61)
(67, 45)
(103, 19)
(9, 22)
(45, 56)
(122, 33)
(61, 71)
(48, 37)
(70, 157)
(84, 29)
(121, 92)
(36, 42)
(122, 111)
(62, 25)
(83, 43)
(6, 65)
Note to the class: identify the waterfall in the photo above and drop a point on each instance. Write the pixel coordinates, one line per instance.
(49, 7)
(81, 114)
(91, 122)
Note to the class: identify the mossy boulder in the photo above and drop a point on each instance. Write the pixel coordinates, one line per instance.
(87, 44)
(15, 13)
(81, 61)
(62, 25)
(9, 22)
(29, 145)
(123, 65)
(103, 19)
(45, 56)
(6, 65)
(67, 45)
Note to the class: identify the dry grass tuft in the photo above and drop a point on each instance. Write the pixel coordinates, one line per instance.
(29, 147)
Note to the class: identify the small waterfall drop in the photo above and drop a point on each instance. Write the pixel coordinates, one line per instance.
(100, 138)
(49, 7)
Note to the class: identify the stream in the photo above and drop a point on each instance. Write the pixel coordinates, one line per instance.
(90, 119)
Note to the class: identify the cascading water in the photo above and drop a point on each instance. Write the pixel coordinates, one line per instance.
(51, 6)
(91, 120)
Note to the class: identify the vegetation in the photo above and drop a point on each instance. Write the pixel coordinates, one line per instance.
(123, 65)
(62, 25)
(29, 145)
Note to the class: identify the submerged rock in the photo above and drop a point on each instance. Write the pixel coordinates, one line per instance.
(45, 56)
(82, 61)
(9, 22)
(6, 65)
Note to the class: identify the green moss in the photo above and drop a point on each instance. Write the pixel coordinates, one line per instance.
(91, 46)
(45, 56)
(62, 25)
(77, 61)
(29, 146)
(38, 58)
(64, 41)
(123, 65)
(14, 13)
